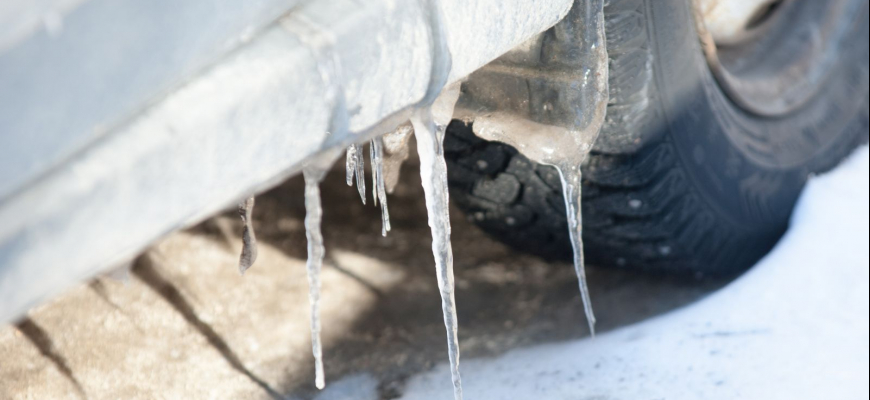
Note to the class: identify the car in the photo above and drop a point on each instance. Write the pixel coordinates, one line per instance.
(666, 136)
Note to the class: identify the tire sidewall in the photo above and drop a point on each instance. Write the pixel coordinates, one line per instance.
(750, 169)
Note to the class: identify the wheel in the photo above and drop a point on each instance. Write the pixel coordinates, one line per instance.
(686, 175)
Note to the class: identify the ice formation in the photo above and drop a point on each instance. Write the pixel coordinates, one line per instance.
(548, 99)
(313, 214)
(430, 125)
(355, 166)
(378, 190)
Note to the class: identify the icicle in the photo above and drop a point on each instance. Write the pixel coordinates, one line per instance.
(429, 130)
(378, 190)
(355, 165)
(374, 173)
(313, 214)
(320, 41)
(571, 190)
(360, 173)
(430, 122)
(350, 164)
(560, 119)
(249, 239)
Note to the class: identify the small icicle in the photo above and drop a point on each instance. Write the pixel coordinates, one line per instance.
(350, 164)
(374, 174)
(571, 189)
(429, 130)
(378, 190)
(355, 165)
(360, 173)
(313, 214)
(249, 239)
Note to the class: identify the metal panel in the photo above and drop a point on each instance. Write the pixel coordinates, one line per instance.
(244, 124)
(85, 67)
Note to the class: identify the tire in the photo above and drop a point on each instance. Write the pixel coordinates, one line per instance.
(681, 179)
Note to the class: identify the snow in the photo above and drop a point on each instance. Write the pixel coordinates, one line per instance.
(793, 327)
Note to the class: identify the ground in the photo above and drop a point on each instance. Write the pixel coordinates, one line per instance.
(186, 325)
(796, 326)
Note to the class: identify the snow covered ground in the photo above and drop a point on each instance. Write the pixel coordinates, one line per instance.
(794, 327)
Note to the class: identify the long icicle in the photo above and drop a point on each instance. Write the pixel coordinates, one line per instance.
(249, 239)
(313, 215)
(320, 42)
(429, 130)
(378, 190)
(571, 177)
(563, 135)
(592, 100)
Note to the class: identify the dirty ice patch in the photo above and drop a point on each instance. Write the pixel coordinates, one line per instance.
(793, 327)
